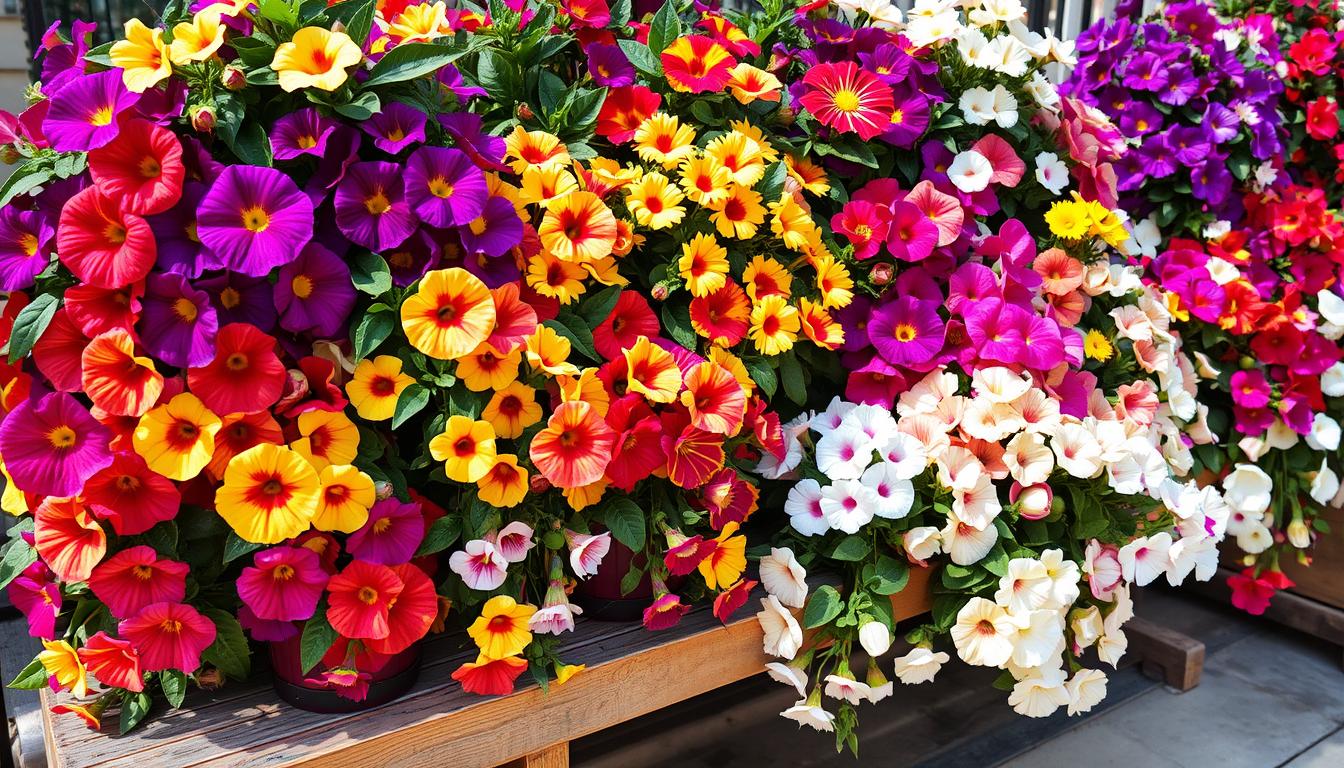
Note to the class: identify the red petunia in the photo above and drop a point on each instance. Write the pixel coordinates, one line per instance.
(169, 636)
(638, 449)
(715, 399)
(727, 602)
(629, 319)
(411, 614)
(142, 168)
(136, 577)
(684, 555)
(68, 538)
(240, 432)
(99, 310)
(245, 376)
(59, 353)
(624, 109)
(729, 498)
(664, 612)
(361, 598)
(724, 316)
(490, 677)
(698, 64)
(117, 380)
(693, 455)
(1323, 118)
(102, 244)
(131, 496)
(114, 662)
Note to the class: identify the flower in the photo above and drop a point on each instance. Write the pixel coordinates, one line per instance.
(301, 132)
(715, 399)
(651, 371)
(103, 244)
(130, 496)
(467, 448)
(396, 127)
(391, 534)
(168, 636)
(774, 325)
(62, 664)
(283, 584)
(1040, 694)
(245, 376)
(36, 593)
(578, 227)
(480, 565)
(200, 38)
(586, 551)
(68, 539)
(115, 662)
(738, 214)
(703, 265)
(142, 169)
(501, 629)
(984, 633)
(724, 566)
(360, 599)
(1068, 219)
(1246, 488)
(512, 409)
(623, 110)
(371, 206)
(450, 314)
(664, 140)
(654, 201)
(135, 577)
(784, 577)
(52, 446)
(315, 58)
(84, 114)
(664, 612)
(920, 665)
(270, 493)
(907, 331)
(443, 186)
(505, 485)
(696, 64)
(254, 219)
(410, 615)
(847, 98)
(575, 446)
(117, 381)
(25, 247)
(142, 56)
(490, 677)
(782, 635)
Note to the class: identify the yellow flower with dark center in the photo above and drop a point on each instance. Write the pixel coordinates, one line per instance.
(466, 447)
(501, 629)
(142, 57)
(512, 410)
(774, 325)
(705, 180)
(738, 214)
(177, 439)
(375, 386)
(654, 201)
(270, 493)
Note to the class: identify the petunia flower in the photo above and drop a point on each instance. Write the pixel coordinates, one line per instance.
(168, 636)
(269, 494)
(410, 615)
(697, 64)
(103, 244)
(245, 375)
(490, 677)
(586, 551)
(480, 565)
(52, 445)
(115, 379)
(502, 628)
(113, 661)
(301, 132)
(84, 114)
(136, 577)
(315, 58)
(131, 496)
(395, 127)
(25, 247)
(574, 448)
(254, 219)
(64, 669)
(37, 594)
(313, 293)
(283, 584)
(142, 169)
(391, 535)
(451, 313)
(445, 187)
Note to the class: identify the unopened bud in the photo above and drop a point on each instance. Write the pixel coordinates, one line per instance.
(538, 484)
(882, 274)
(524, 112)
(659, 292)
(233, 78)
(203, 119)
(9, 155)
(382, 490)
(1298, 534)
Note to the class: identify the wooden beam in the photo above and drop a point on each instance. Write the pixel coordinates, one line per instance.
(1165, 654)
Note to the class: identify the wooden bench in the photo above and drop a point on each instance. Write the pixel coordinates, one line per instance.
(631, 672)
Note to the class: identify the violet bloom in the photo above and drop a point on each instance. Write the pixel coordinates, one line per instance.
(265, 630)
(83, 115)
(300, 133)
(854, 319)
(313, 293)
(907, 331)
(608, 65)
(1156, 158)
(996, 329)
(371, 207)
(180, 247)
(391, 535)
(1211, 181)
(254, 219)
(177, 324)
(25, 247)
(485, 151)
(52, 445)
(495, 231)
(1180, 86)
(413, 258)
(1252, 421)
(201, 165)
(342, 152)
(909, 117)
(494, 271)
(970, 284)
(63, 62)
(241, 299)
(1142, 73)
(1222, 124)
(396, 127)
(1189, 144)
(444, 186)
(1140, 119)
(450, 80)
(888, 61)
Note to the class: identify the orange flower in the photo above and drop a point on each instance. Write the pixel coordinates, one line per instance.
(722, 316)
(739, 214)
(652, 371)
(586, 387)
(578, 227)
(525, 148)
(328, 437)
(505, 484)
(486, 369)
(69, 539)
(715, 400)
(819, 326)
(115, 379)
(512, 409)
(574, 448)
(450, 314)
(748, 84)
(728, 560)
(696, 455)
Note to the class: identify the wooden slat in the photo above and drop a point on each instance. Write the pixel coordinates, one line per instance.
(631, 672)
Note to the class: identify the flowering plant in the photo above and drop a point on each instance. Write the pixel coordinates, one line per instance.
(1196, 95)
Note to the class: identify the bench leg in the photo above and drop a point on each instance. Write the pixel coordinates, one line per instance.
(554, 756)
(1165, 654)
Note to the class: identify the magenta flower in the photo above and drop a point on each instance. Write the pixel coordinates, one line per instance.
(178, 324)
(342, 152)
(450, 79)
(609, 66)
(907, 331)
(969, 284)
(398, 126)
(911, 236)
(254, 219)
(1252, 421)
(997, 329)
(495, 231)
(486, 151)
(391, 535)
(444, 186)
(371, 206)
(304, 132)
(83, 115)
(1250, 389)
(52, 446)
(266, 630)
(313, 293)
(25, 247)
(38, 596)
(1042, 343)
(241, 299)
(283, 584)
(876, 382)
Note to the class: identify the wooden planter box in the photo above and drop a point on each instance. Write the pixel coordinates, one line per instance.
(1324, 579)
(631, 672)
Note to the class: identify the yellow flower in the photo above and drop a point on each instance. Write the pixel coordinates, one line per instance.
(554, 278)
(563, 672)
(142, 57)
(767, 277)
(738, 214)
(810, 176)
(703, 265)
(375, 386)
(270, 494)
(327, 437)
(652, 371)
(421, 22)
(544, 183)
(748, 84)
(654, 201)
(792, 223)
(1097, 347)
(177, 439)
(728, 561)
(346, 497)
(604, 175)
(466, 447)
(1068, 219)
(733, 365)
(524, 148)
(61, 661)
(505, 484)
(662, 139)
(834, 283)
(705, 180)
(13, 500)
(774, 325)
(548, 351)
(587, 387)
(605, 271)
(501, 629)
(487, 369)
(200, 38)
(768, 153)
(451, 313)
(512, 410)
(585, 496)
(315, 58)
(741, 155)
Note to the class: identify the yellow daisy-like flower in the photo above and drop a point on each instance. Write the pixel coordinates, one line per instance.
(767, 277)
(741, 155)
(705, 180)
(577, 227)
(548, 351)
(486, 369)
(810, 176)
(654, 201)
(501, 629)
(791, 223)
(328, 437)
(466, 448)
(1068, 219)
(586, 387)
(662, 139)
(200, 38)
(270, 494)
(177, 439)
(505, 485)
(347, 495)
(556, 279)
(524, 148)
(315, 58)
(544, 183)
(1097, 347)
(834, 283)
(375, 386)
(703, 265)
(774, 325)
(768, 152)
(738, 214)
(512, 410)
(142, 56)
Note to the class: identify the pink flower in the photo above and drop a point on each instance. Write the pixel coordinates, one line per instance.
(168, 636)
(391, 535)
(37, 594)
(586, 551)
(283, 584)
(480, 565)
(136, 577)
(665, 612)
(513, 542)
(1102, 566)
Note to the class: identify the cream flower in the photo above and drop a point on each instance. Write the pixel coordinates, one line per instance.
(1040, 695)
(999, 384)
(875, 638)
(964, 543)
(905, 456)
(788, 675)
(1076, 450)
(846, 689)
(1029, 459)
(1332, 381)
(978, 505)
(783, 577)
(1025, 587)
(1248, 489)
(782, 635)
(984, 633)
(1064, 576)
(1086, 690)
(1086, 625)
(970, 171)
(1254, 539)
(920, 665)
(922, 543)
(1324, 484)
(1040, 637)
(1145, 558)
(927, 393)
(1038, 411)
(806, 712)
(1324, 434)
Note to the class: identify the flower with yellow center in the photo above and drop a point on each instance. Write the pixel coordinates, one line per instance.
(142, 57)
(375, 386)
(501, 629)
(741, 155)
(177, 439)
(792, 223)
(705, 180)
(738, 214)
(1068, 219)
(315, 58)
(774, 325)
(512, 410)
(662, 139)
(270, 494)
(654, 201)
(346, 496)
(524, 148)
(505, 484)
(547, 351)
(703, 265)
(466, 448)
(200, 38)
(555, 279)
(578, 227)
(1097, 347)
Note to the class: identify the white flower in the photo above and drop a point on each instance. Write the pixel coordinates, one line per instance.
(803, 507)
(1248, 489)
(788, 675)
(981, 107)
(1086, 690)
(906, 456)
(513, 542)
(1145, 558)
(782, 636)
(773, 468)
(1047, 96)
(480, 565)
(806, 713)
(882, 14)
(990, 421)
(895, 496)
(1064, 577)
(1076, 450)
(1029, 459)
(846, 689)
(1324, 484)
(844, 453)
(1324, 433)
(831, 418)
(984, 633)
(1332, 381)
(1190, 553)
(964, 543)
(971, 44)
(1222, 271)
(1281, 436)
(848, 505)
(970, 171)
(1331, 306)
(991, 11)
(922, 543)
(1040, 636)
(1025, 587)
(925, 30)
(1255, 539)
(978, 505)
(1265, 173)
(783, 577)
(1113, 643)
(1086, 624)
(1041, 694)
(586, 551)
(920, 665)
(999, 384)
(875, 638)
(1006, 55)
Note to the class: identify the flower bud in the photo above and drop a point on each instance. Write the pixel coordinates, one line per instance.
(554, 540)
(203, 119)
(1298, 534)
(875, 638)
(233, 78)
(882, 274)
(524, 112)
(538, 484)
(382, 490)
(1034, 502)
(659, 292)
(9, 155)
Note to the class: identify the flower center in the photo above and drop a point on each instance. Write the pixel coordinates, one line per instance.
(383, 386)
(439, 187)
(377, 203)
(101, 116)
(171, 626)
(382, 525)
(255, 219)
(142, 572)
(150, 168)
(272, 487)
(368, 595)
(302, 286)
(501, 624)
(28, 242)
(62, 437)
(904, 332)
(307, 142)
(283, 573)
(985, 627)
(230, 297)
(185, 309)
(846, 100)
(115, 233)
(236, 362)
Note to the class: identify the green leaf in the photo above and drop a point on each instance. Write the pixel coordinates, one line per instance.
(229, 652)
(771, 186)
(791, 375)
(235, 547)
(599, 306)
(174, 685)
(163, 538)
(441, 535)
(318, 636)
(361, 107)
(411, 60)
(665, 27)
(822, 608)
(31, 677)
(496, 74)
(372, 330)
(411, 401)
(851, 549)
(356, 15)
(370, 273)
(18, 556)
(677, 321)
(26, 178)
(625, 520)
(643, 58)
(284, 11)
(31, 323)
(254, 52)
(631, 579)
(134, 709)
(572, 327)
(763, 375)
(890, 575)
(550, 91)
(101, 55)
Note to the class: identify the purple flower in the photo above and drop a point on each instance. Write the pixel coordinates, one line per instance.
(909, 119)
(1221, 123)
(1042, 344)
(241, 299)
(907, 331)
(494, 271)
(485, 151)
(854, 319)
(495, 231)
(413, 258)
(1142, 73)
(371, 207)
(444, 186)
(1156, 159)
(1139, 119)
(1180, 86)
(313, 293)
(25, 247)
(64, 62)
(391, 535)
(52, 446)
(608, 65)
(1189, 144)
(888, 61)
(342, 151)
(1252, 421)
(180, 247)
(1211, 181)
(177, 324)
(398, 126)
(254, 219)
(1250, 389)
(304, 132)
(83, 115)
(450, 79)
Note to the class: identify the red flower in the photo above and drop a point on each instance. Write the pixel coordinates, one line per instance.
(1314, 52)
(240, 432)
(68, 539)
(515, 319)
(724, 316)
(1250, 594)
(728, 601)
(60, 351)
(693, 454)
(315, 391)
(684, 555)
(715, 399)
(1280, 344)
(863, 224)
(729, 498)
(665, 612)
(99, 310)
(575, 447)
(697, 64)
(848, 99)
(624, 109)
(102, 244)
(638, 449)
(1322, 118)
(629, 319)
(169, 636)
(115, 379)
(114, 662)
(246, 375)
(490, 677)
(136, 577)
(361, 600)
(411, 614)
(143, 168)
(131, 496)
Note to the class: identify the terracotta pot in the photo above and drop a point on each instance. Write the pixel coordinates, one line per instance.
(390, 681)
(600, 595)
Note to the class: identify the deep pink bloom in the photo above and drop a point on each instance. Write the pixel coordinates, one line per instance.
(391, 535)
(1250, 389)
(283, 584)
(136, 577)
(169, 636)
(52, 446)
(36, 593)
(907, 331)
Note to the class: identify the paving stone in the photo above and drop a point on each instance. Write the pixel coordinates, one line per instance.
(1328, 753)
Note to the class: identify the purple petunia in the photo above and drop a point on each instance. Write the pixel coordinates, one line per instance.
(371, 207)
(83, 115)
(178, 323)
(907, 331)
(412, 259)
(495, 231)
(254, 219)
(313, 293)
(396, 127)
(391, 535)
(180, 247)
(25, 247)
(609, 65)
(304, 132)
(444, 186)
(241, 299)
